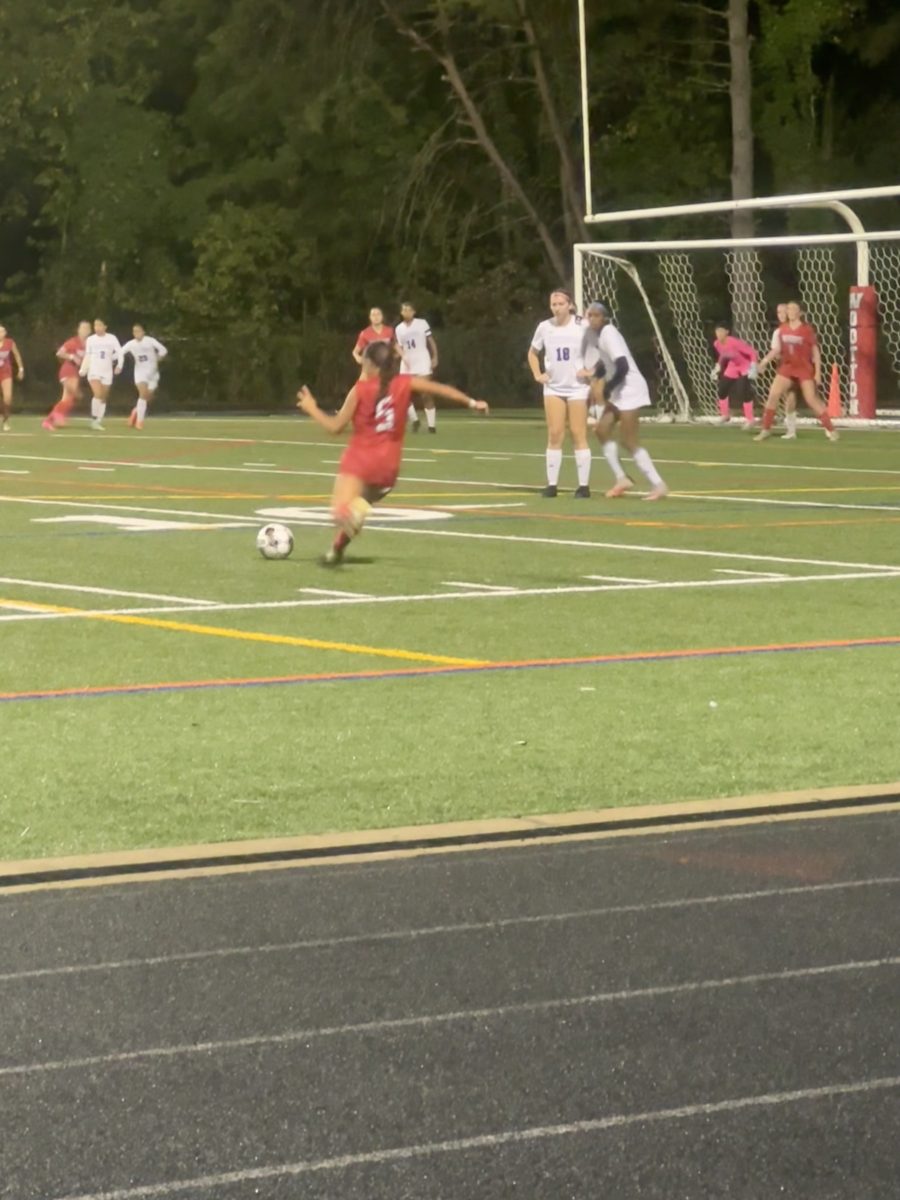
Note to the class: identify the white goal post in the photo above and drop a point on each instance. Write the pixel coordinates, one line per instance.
(667, 295)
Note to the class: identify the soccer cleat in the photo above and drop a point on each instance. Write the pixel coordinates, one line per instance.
(432, 429)
(832, 435)
(724, 421)
(139, 424)
(416, 425)
(97, 424)
(658, 493)
(763, 435)
(550, 491)
(132, 418)
(745, 425)
(49, 424)
(333, 557)
(582, 492)
(6, 425)
(790, 436)
(619, 488)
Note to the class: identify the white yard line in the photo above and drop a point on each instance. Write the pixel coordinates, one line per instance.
(11, 472)
(109, 469)
(43, 584)
(829, 504)
(334, 592)
(762, 574)
(628, 579)
(484, 594)
(478, 587)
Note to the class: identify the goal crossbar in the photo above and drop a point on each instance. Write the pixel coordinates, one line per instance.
(803, 239)
(799, 200)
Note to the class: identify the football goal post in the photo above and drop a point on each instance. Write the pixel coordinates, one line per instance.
(667, 296)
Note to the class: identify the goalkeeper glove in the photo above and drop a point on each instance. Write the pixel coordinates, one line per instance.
(753, 372)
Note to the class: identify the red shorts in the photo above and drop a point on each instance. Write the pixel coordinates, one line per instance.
(67, 371)
(798, 374)
(378, 467)
(5, 373)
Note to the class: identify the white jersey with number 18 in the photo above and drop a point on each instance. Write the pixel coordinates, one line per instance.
(563, 357)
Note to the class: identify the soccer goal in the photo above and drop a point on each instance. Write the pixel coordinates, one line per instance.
(667, 296)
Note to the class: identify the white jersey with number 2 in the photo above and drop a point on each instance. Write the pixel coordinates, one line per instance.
(102, 354)
(563, 357)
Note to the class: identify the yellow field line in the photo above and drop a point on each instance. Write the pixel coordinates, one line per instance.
(274, 639)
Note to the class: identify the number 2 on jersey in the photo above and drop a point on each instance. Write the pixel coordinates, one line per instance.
(384, 415)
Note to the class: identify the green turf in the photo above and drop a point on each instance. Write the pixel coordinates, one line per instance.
(94, 773)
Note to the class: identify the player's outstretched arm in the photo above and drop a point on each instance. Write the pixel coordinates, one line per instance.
(307, 403)
(427, 387)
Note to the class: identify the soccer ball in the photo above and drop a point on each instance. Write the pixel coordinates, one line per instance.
(275, 541)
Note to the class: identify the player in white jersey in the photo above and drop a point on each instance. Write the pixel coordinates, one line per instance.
(102, 360)
(559, 340)
(621, 389)
(418, 356)
(146, 352)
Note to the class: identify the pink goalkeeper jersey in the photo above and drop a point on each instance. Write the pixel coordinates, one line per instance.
(735, 357)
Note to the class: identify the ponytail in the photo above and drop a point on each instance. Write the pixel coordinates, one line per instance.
(381, 355)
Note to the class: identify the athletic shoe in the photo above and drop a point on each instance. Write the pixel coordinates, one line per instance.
(333, 557)
(763, 435)
(723, 421)
(416, 425)
(832, 435)
(619, 488)
(790, 436)
(6, 426)
(139, 424)
(745, 425)
(432, 429)
(49, 425)
(582, 492)
(550, 491)
(96, 424)
(132, 418)
(658, 493)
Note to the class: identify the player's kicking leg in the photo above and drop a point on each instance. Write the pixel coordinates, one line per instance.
(351, 503)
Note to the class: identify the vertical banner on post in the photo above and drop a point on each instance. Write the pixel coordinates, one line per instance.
(863, 341)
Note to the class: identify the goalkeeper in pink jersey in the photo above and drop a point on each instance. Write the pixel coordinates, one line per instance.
(736, 367)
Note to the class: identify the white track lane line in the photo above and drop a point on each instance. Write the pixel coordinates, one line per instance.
(434, 931)
(493, 1141)
(99, 591)
(426, 1020)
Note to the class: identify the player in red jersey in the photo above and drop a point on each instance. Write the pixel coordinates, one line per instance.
(8, 350)
(71, 356)
(375, 331)
(377, 406)
(800, 366)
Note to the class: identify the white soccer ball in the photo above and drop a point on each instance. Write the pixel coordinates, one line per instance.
(275, 541)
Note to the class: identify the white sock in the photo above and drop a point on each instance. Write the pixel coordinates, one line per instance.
(554, 466)
(611, 454)
(583, 466)
(644, 464)
(141, 407)
(94, 403)
(101, 409)
(431, 417)
(412, 415)
(790, 422)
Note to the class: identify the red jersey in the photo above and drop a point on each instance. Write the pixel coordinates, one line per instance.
(7, 346)
(74, 347)
(796, 345)
(379, 424)
(370, 336)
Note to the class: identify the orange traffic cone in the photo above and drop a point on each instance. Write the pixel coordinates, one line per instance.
(835, 408)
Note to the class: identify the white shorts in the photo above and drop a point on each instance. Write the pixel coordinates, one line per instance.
(150, 381)
(627, 399)
(105, 377)
(581, 394)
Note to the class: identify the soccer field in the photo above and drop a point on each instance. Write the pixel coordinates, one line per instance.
(483, 651)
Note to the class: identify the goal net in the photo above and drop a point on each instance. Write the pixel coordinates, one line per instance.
(667, 302)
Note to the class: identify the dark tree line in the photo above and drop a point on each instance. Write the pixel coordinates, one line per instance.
(248, 176)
